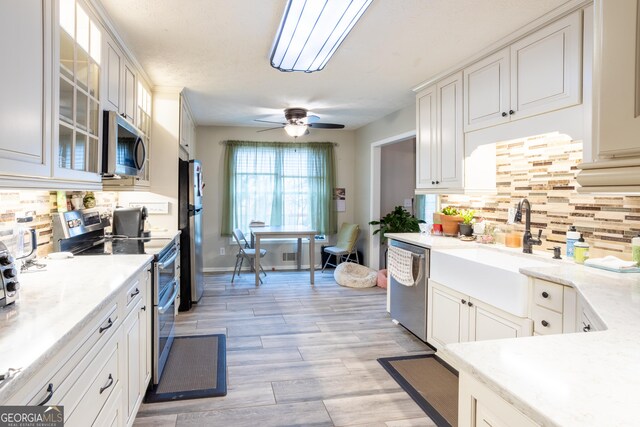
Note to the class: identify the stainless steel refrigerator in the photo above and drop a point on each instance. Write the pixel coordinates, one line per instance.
(190, 192)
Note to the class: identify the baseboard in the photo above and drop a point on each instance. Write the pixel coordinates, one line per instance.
(245, 270)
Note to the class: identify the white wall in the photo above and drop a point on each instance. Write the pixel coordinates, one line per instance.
(163, 155)
(398, 123)
(210, 152)
(397, 174)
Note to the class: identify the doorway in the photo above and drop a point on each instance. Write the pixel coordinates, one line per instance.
(394, 162)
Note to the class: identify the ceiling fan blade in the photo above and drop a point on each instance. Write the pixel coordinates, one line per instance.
(310, 119)
(268, 121)
(326, 126)
(264, 130)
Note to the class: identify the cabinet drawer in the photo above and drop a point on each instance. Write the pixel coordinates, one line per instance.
(68, 370)
(134, 293)
(89, 394)
(548, 295)
(546, 322)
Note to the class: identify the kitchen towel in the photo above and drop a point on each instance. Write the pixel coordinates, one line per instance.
(404, 266)
(613, 263)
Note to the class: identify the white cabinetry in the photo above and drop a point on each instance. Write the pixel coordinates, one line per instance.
(119, 83)
(25, 83)
(478, 406)
(616, 100)
(103, 371)
(454, 317)
(587, 320)
(440, 137)
(536, 74)
(187, 129)
(554, 308)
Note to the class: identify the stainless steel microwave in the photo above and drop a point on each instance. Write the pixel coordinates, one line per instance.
(124, 147)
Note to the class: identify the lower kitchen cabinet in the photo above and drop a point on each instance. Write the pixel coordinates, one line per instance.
(454, 317)
(100, 376)
(553, 309)
(480, 407)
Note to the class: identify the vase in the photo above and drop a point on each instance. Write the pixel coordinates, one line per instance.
(451, 224)
(466, 229)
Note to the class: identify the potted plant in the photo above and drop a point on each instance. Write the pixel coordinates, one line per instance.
(451, 220)
(466, 227)
(397, 221)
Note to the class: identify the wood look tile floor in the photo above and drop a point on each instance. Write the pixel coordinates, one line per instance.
(297, 355)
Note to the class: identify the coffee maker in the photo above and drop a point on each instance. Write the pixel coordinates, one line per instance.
(129, 222)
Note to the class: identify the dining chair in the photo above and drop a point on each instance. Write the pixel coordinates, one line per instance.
(346, 245)
(245, 251)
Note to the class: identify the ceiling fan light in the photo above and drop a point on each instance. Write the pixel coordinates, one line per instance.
(311, 31)
(295, 130)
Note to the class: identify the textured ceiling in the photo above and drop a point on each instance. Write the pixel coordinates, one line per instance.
(219, 51)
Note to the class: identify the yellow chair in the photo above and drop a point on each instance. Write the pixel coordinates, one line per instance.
(346, 245)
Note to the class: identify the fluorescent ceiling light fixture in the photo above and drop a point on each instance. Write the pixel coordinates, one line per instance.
(295, 130)
(311, 31)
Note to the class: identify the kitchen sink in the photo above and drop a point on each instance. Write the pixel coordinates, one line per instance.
(490, 275)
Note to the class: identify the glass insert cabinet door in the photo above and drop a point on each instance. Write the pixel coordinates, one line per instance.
(79, 89)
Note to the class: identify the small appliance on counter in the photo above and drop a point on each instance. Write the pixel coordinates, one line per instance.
(9, 277)
(129, 222)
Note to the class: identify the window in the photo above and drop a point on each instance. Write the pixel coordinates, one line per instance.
(279, 184)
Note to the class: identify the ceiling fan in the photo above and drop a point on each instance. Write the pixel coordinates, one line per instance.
(298, 122)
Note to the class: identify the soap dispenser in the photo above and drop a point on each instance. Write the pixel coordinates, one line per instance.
(572, 238)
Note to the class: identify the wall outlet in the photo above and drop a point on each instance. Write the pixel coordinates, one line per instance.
(222, 251)
(408, 203)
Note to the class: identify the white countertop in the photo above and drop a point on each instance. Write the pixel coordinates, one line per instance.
(576, 379)
(54, 305)
(429, 241)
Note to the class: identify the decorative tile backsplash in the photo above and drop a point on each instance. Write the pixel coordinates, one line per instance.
(41, 205)
(543, 169)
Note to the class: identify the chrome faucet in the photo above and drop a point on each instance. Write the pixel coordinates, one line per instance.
(527, 239)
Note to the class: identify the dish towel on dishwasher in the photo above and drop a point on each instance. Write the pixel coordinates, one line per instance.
(403, 266)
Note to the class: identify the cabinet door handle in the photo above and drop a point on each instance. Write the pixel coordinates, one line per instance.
(463, 302)
(586, 328)
(511, 112)
(109, 384)
(545, 323)
(110, 324)
(136, 292)
(545, 295)
(504, 114)
(143, 308)
(437, 182)
(49, 395)
(433, 182)
(470, 304)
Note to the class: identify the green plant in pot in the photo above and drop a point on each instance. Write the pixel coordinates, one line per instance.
(397, 221)
(466, 227)
(451, 220)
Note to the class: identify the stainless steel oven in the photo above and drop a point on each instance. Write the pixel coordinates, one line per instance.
(166, 287)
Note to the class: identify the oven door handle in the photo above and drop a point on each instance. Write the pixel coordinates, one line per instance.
(162, 309)
(163, 263)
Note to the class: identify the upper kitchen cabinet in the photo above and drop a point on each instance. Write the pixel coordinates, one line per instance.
(187, 129)
(76, 140)
(539, 73)
(119, 83)
(616, 100)
(440, 144)
(25, 79)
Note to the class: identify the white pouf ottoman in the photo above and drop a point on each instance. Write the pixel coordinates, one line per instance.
(354, 275)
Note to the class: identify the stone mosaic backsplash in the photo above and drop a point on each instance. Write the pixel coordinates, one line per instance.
(543, 169)
(41, 205)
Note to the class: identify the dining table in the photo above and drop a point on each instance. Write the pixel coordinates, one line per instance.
(299, 232)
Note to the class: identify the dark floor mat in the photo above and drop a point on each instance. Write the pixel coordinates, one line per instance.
(430, 382)
(196, 368)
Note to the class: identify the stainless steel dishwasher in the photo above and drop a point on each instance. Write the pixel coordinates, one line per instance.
(408, 304)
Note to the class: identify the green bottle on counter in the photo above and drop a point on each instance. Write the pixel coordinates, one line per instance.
(635, 249)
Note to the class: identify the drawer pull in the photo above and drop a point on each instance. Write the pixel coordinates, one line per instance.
(586, 328)
(545, 295)
(49, 395)
(545, 323)
(470, 304)
(463, 302)
(137, 291)
(109, 384)
(102, 329)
